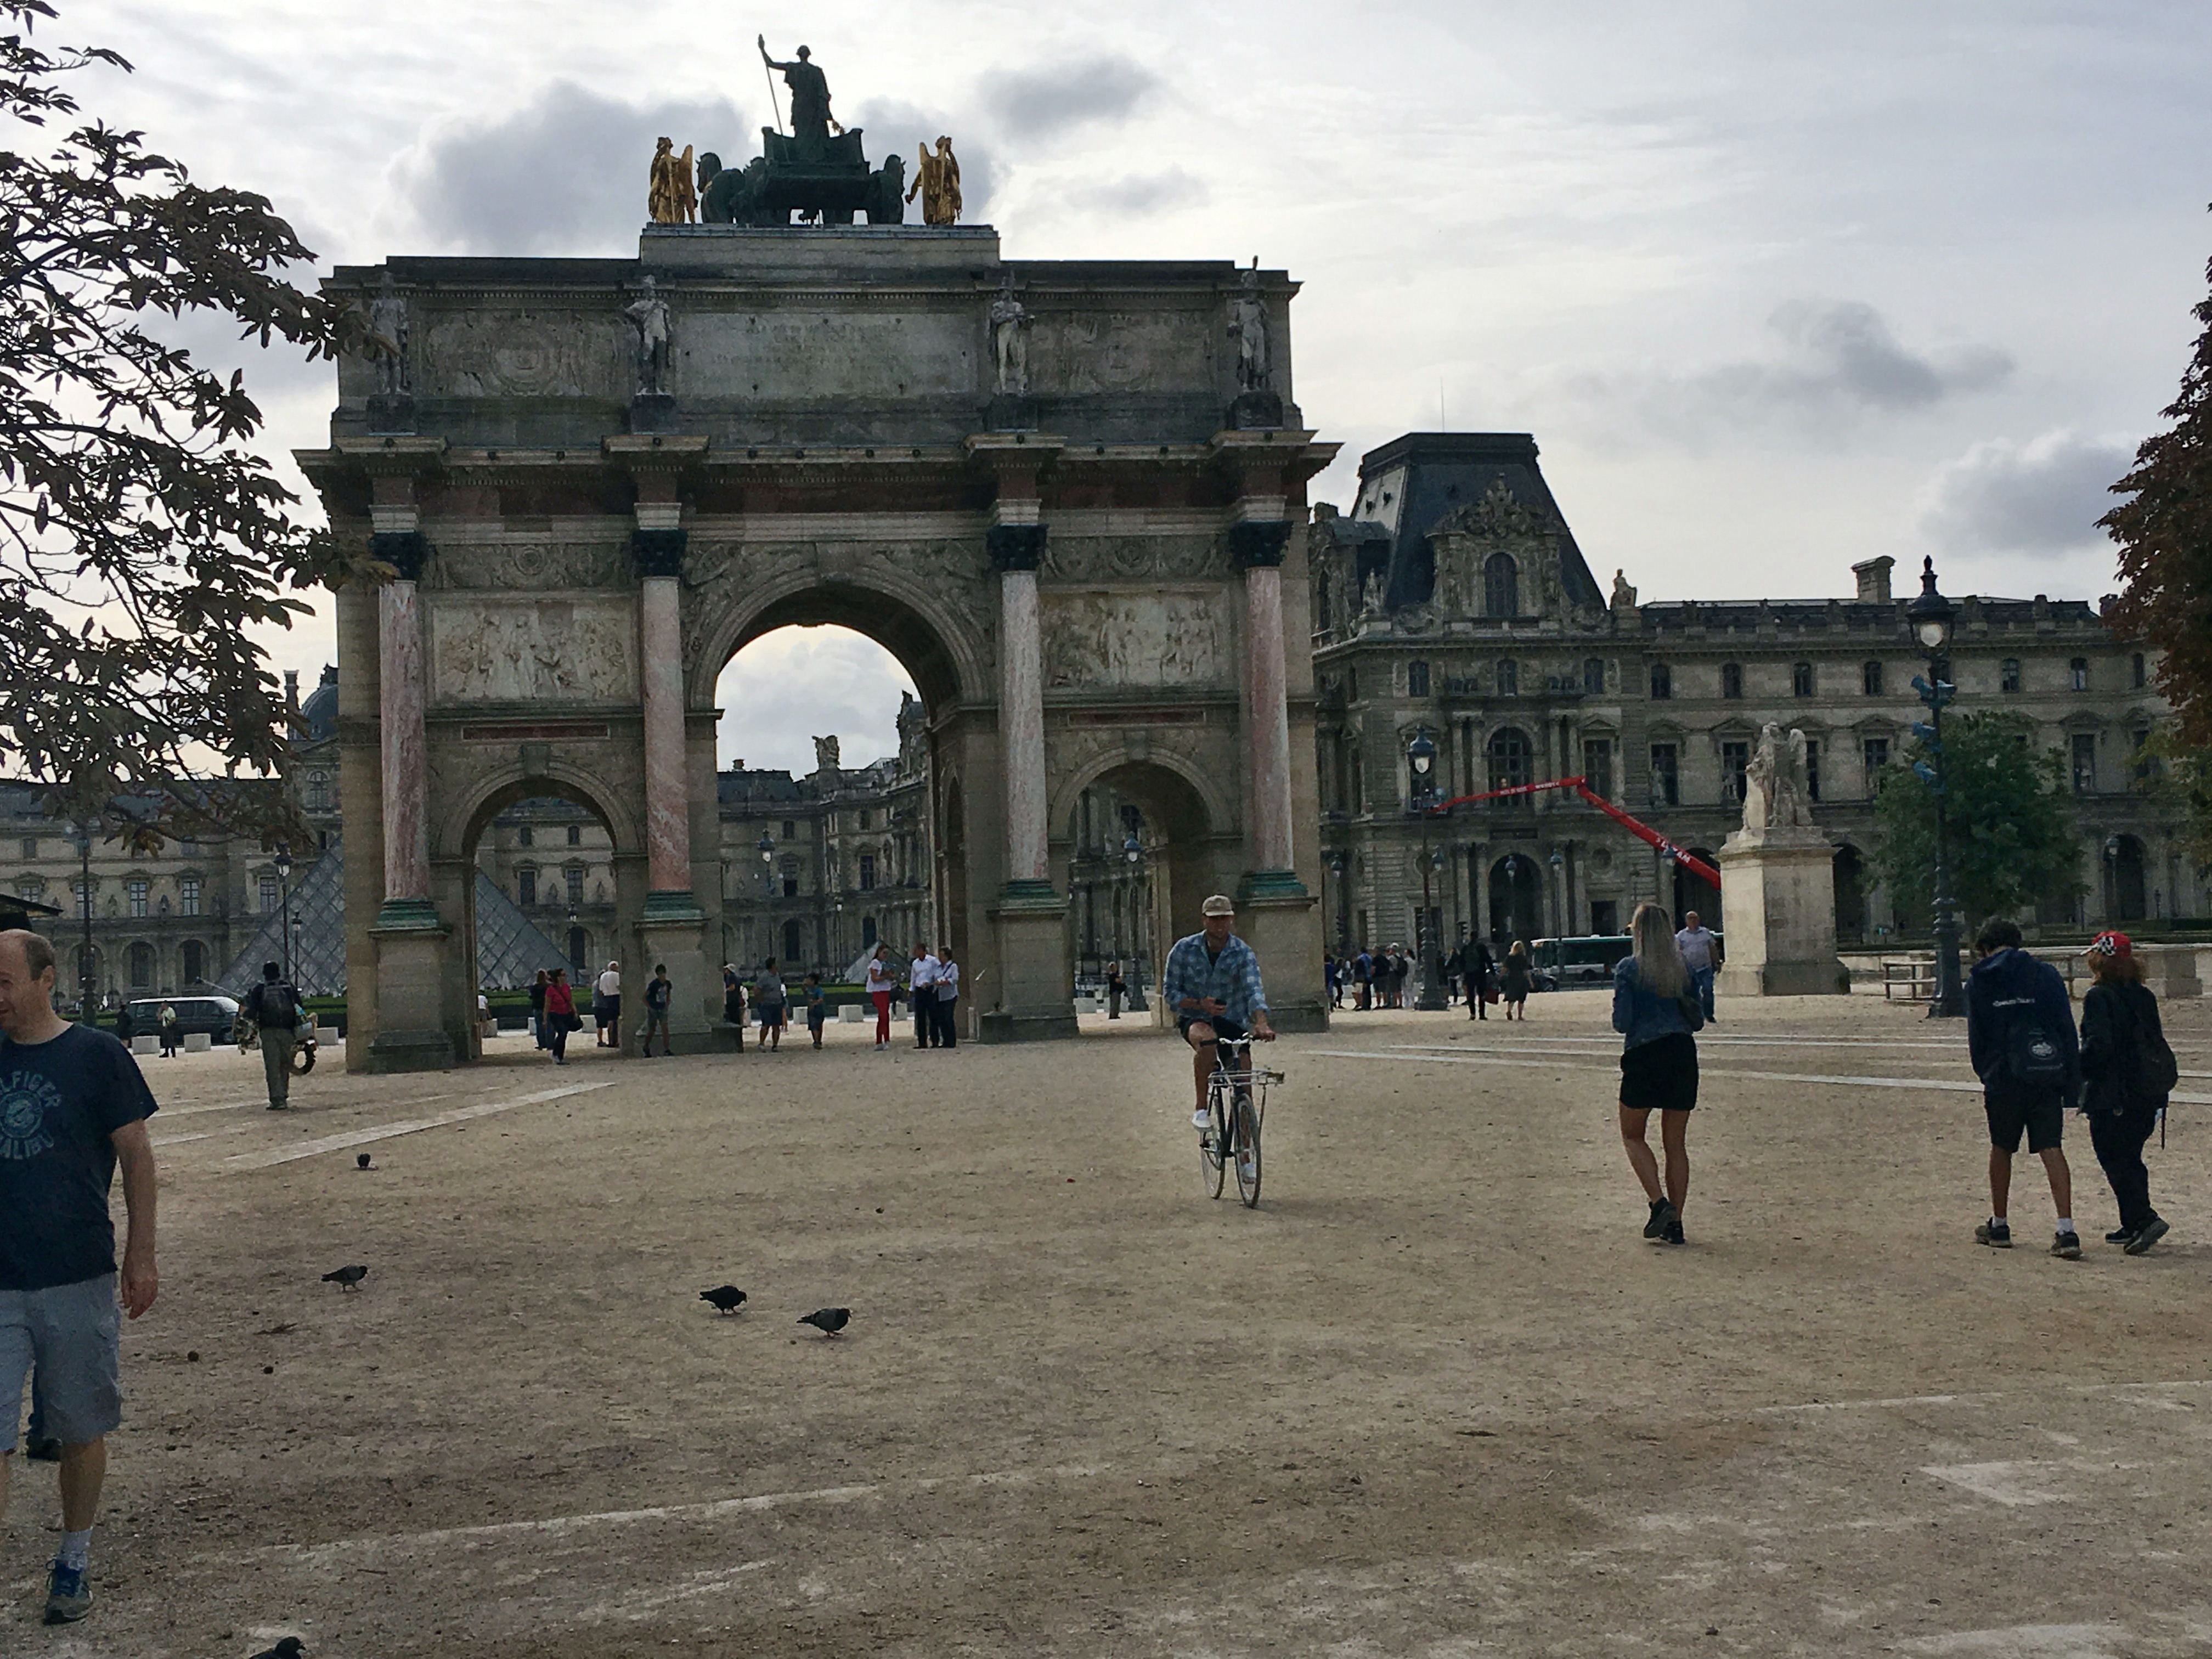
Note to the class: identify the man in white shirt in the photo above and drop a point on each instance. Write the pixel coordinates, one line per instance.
(1701, 955)
(606, 1005)
(948, 1000)
(922, 981)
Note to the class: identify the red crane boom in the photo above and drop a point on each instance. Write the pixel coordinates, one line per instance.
(1642, 831)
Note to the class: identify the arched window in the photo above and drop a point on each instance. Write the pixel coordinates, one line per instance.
(1508, 677)
(867, 933)
(791, 941)
(318, 790)
(1594, 676)
(142, 967)
(1663, 682)
(1509, 758)
(1801, 679)
(1501, 586)
(525, 886)
(1417, 679)
(1732, 679)
(1871, 678)
(2008, 675)
(2078, 670)
(195, 963)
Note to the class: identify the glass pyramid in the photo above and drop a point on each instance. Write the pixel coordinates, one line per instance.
(509, 949)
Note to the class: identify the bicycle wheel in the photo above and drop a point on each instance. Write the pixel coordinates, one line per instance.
(1248, 1154)
(1211, 1169)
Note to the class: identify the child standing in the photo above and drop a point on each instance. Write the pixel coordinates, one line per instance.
(817, 1010)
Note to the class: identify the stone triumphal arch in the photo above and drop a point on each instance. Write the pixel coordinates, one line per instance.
(1067, 495)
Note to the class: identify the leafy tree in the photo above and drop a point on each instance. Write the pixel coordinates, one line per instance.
(2164, 537)
(2010, 815)
(140, 535)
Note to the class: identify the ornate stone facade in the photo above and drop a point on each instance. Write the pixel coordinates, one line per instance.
(1454, 599)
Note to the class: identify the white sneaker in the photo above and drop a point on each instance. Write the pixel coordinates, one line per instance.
(1248, 1170)
(1201, 1120)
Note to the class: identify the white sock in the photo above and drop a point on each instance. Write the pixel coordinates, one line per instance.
(2065, 1223)
(1996, 1221)
(77, 1549)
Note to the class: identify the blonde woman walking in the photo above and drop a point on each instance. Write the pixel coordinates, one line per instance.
(1655, 1008)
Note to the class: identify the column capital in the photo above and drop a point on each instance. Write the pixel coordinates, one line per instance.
(1258, 542)
(658, 552)
(406, 551)
(1015, 546)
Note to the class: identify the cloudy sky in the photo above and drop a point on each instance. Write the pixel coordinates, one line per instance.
(1776, 287)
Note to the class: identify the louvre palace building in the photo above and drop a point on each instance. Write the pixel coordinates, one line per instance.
(1453, 601)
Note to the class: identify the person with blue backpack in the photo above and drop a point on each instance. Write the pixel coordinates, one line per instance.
(2127, 1071)
(2019, 1035)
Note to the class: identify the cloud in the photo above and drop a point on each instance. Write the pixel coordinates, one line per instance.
(564, 174)
(2042, 497)
(1838, 364)
(1034, 103)
(1140, 193)
(797, 684)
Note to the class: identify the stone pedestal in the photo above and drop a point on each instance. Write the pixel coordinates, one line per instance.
(1254, 412)
(652, 412)
(2170, 970)
(1280, 928)
(1008, 412)
(1778, 904)
(1031, 1002)
(673, 932)
(410, 974)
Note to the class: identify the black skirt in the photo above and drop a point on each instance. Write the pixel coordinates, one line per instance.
(1661, 1076)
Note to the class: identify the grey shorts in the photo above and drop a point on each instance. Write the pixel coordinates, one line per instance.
(70, 1335)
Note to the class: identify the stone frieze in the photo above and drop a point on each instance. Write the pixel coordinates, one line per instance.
(532, 651)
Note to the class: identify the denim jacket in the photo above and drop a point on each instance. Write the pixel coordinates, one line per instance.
(1644, 1016)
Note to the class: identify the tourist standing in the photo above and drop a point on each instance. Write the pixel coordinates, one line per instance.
(2019, 1035)
(657, 990)
(921, 987)
(948, 1000)
(537, 1007)
(880, 985)
(275, 1010)
(606, 1006)
(1483, 980)
(2127, 1072)
(1113, 989)
(767, 1005)
(733, 1003)
(1701, 955)
(560, 1014)
(77, 1106)
(173, 1031)
(1655, 1012)
(1362, 975)
(817, 1007)
(1515, 983)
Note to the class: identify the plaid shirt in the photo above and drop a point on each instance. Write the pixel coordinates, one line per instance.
(1231, 979)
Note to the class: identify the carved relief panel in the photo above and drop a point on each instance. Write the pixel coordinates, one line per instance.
(1147, 639)
(533, 650)
(552, 354)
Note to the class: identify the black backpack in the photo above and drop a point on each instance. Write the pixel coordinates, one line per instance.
(2146, 1071)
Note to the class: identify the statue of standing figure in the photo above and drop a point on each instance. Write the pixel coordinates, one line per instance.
(1248, 327)
(387, 344)
(1010, 345)
(669, 197)
(812, 124)
(937, 180)
(1777, 791)
(648, 313)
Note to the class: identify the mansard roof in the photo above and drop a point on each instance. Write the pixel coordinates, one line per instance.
(1443, 472)
(1801, 616)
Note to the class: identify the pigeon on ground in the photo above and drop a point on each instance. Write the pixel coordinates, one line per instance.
(291, 1647)
(725, 1297)
(361, 1161)
(346, 1279)
(828, 1321)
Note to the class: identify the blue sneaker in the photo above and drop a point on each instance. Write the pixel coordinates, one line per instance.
(69, 1598)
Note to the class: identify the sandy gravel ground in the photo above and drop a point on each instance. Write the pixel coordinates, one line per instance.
(1435, 1396)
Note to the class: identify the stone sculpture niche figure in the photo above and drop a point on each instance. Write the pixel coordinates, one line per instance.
(648, 313)
(669, 198)
(386, 345)
(1010, 345)
(936, 177)
(1248, 327)
(825, 754)
(812, 124)
(1777, 791)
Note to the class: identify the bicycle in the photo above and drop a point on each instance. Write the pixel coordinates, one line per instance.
(1235, 1098)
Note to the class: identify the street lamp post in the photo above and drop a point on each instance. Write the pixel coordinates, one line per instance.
(1337, 863)
(1421, 760)
(1133, 851)
(1932, 615)
(84, 975)
(1559, 893)
(284, 903)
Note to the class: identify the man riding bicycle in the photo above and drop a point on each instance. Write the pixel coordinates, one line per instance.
(1212, 983)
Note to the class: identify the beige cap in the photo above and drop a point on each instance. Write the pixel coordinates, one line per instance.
(1219, 905)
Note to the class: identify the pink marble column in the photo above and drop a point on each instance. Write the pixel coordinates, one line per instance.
(1265, 695)
(1021, 725)
(668, 807)
(406, 779)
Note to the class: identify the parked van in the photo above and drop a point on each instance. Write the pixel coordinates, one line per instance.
(215, 1015)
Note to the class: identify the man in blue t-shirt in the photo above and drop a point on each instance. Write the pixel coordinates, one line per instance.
(72, 1106)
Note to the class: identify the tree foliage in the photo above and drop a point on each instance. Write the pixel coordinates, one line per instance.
(2011, 839)
(2165, 535)
(140, 535)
